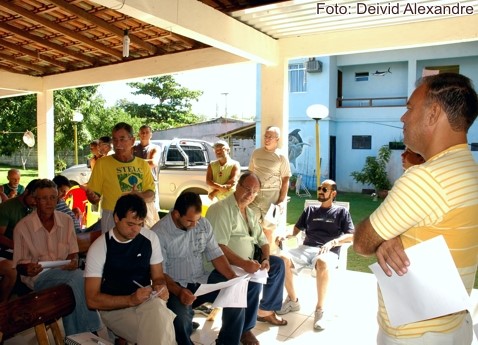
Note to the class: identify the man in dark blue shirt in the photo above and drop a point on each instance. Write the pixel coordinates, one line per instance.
(326, 228)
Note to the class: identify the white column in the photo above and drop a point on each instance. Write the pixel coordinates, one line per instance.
(45, 135)
(275, 102)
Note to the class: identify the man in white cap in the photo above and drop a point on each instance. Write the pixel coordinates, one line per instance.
(223, 173)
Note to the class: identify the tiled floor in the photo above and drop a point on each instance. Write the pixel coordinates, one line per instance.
(352, 305)
(351, 315)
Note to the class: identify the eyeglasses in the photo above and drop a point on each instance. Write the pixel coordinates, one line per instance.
(45, 199)
(323, 189)
(269, 137)
(249, 190)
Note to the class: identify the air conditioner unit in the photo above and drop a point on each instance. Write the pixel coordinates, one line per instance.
(313, 66)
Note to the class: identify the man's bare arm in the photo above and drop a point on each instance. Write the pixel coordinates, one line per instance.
(95, 299)
(390, 253)
(248, 265)
(366, 240)
(222, 266)
(153, 159)
(283, 189)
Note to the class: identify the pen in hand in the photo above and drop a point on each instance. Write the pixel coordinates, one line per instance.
(153, 293)
(135, 282)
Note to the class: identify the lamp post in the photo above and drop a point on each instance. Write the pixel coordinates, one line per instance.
(77, 117)
(317, 112)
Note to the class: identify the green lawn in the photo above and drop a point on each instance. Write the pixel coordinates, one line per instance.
(361, 206)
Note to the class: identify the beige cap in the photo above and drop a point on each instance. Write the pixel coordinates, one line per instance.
(221, 143)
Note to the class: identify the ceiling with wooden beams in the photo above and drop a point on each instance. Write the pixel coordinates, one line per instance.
(46, 37)
(49, 37)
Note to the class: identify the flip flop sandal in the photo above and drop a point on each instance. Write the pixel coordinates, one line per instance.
(272, 319)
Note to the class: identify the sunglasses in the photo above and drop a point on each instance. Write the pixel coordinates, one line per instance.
(323, 189)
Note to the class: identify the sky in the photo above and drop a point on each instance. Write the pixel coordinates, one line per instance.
(230, 89)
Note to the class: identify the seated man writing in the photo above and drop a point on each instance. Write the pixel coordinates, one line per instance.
(237, 231)
(124, 278)
(185, 239)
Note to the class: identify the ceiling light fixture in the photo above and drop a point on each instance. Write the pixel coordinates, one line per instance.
(126, 41)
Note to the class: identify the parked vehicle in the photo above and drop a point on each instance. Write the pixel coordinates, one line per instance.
(183, 166)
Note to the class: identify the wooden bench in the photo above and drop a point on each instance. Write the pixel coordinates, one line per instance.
(40, 309)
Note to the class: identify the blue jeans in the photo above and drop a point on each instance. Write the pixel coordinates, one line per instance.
(81, 319)
(273, 290)
(235, 321)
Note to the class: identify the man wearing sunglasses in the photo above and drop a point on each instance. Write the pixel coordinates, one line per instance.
(326, 227)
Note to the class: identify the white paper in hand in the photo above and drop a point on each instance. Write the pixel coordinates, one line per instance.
(432, 287)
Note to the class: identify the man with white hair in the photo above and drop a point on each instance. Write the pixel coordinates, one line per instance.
(272, 167)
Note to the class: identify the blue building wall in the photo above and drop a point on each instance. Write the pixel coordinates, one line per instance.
(381, 122)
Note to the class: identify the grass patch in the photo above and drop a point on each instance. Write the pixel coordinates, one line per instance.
(361, 206)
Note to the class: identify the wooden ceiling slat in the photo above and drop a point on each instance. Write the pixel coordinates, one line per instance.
(46, 43)
(22, 63)
(101, 23)
(56, 27)
(33, 54)
(54, 36)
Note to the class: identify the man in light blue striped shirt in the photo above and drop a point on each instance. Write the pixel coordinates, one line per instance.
(186, 239)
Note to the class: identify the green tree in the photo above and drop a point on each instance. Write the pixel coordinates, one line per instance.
(65, 103)
(172, 102)
(17, 114)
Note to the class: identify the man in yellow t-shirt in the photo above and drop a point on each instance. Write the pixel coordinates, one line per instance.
(223, 173)
(438, 197)
(118, 174)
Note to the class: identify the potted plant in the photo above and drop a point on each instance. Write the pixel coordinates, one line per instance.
(374, 172)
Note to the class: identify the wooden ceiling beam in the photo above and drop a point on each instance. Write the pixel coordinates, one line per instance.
(22, 63)
(103, 24)
(59, 28)
(33, 54)
(47, 43)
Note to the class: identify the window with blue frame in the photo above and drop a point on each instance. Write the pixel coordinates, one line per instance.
(297, 78)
